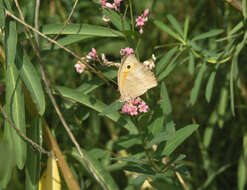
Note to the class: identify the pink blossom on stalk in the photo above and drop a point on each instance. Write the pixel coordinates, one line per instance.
(140, 20)
(79, 67)
(138, 100)
(92, 54)
(143, 107)
(135, 107)
(133, 110)
(126, 51)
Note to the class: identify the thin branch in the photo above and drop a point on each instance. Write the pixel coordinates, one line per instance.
(35, 145)
(36, 21)
(181, 181)
(56, 43)
(67, 21)
(47, 85)
(236, 4)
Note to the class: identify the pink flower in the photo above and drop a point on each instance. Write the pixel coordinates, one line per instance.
(79, 67)
(135, 107)
(110, 6)
(133, 110)
(92, 54)
(126, 108)
(138, 100)
(143, 107)
(103, 3)
(140, 20)
(127, 51)
(146, 12)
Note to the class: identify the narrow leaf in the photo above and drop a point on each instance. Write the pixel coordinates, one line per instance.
(32, 169)
(32, 81)
(166, 104)
(169, 31)
(197, 85)
(207, 34)
(81, 29)
(175, 24)
(210, 85)
(169, 68)
(98, 106)
(115, 106)
(103, 175)
(161, 64)
(186, 28)
(179, 137)
(11, 42)
(191, 63)
(2, 16)
(244, 6)
(15, 105)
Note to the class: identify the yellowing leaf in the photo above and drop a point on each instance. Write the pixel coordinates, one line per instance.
(50, 179)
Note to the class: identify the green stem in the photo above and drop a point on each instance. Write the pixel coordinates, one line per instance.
(131, 16)
(148, 152)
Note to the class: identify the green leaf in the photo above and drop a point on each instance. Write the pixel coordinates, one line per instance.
(169, 68)
(160, 137)
(178, 138)
(244, 6)
(113, 107)
(116, 20)
(210, 85)
(168, 30)
(191, 63)
(32, 80)
(70, 39)
(11, 42)
(208, 34)
(161, 64)
(242, 173)
(166, 104)
(91, 85)
(104, 175)
(81, 29)
(98, 106)
(15, 105)
(222, 105)
(197, 85)
(7, 158)
(32, 170)
(238, 27)
(186, 28)
(125, 142)
(175, 24)
(2, 16)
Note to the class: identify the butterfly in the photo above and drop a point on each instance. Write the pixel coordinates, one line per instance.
(134, 79)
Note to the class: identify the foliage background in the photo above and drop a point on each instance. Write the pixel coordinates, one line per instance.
(216, 156)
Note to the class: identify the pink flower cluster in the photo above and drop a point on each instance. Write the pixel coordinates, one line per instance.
(126, 51)
(134, 106)
(140, 21)
(114, 5)
(79, 67)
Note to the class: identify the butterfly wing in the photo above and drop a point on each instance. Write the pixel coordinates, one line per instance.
(137, 81)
